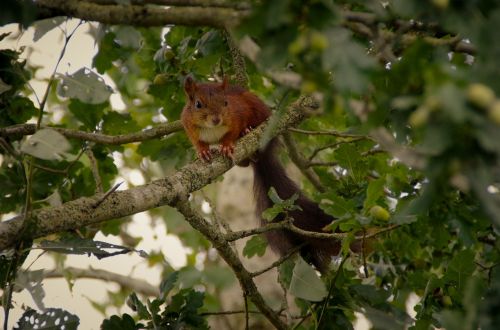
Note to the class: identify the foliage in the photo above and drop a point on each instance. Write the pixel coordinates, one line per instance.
(179, 312)
(409, 123)
(52, 318)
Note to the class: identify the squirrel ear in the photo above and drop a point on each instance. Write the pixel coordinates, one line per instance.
(189, 86)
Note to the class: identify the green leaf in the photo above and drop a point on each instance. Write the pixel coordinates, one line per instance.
(374, 191)
(337, 206)
(21, 109)
(280, 205)
(182, 311)
(371, 294)
(51, 318)
(125, 322)
(46, 25)
(4, 87)
(116, 123)
(285, 272)
(452, 99)
(32, 282)
(128, 37)
(271, 213)
(167, 284)
(173, 151)
(109, 51)
(255, 246)
(460, 268)
(306, 284)
(138, 306)
(84, 85)
(349, 158)
(47, 144)
(348, 60)
(384, 320)
(273, 195)
(220, 277)
(89, 114)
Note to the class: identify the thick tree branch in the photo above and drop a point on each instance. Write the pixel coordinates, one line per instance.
(364, 23)
(240, 71)
(16, 132)
(167, 191)
(219, 14)
(181, 3)
(141, 15)
(226, 252)
(136, 285)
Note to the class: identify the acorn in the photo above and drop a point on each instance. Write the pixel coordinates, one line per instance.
(480, 95)
(494, 112)
(379, 213)
(160, 79)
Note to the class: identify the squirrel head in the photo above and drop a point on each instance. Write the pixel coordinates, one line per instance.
(206, 102)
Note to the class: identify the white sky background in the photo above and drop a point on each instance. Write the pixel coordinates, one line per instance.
(79, 53)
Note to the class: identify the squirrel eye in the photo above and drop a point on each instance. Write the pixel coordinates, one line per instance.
(225, 103)
(198, 105)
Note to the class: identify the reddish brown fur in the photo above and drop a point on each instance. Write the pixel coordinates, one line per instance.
(235, 107)
(239, 110)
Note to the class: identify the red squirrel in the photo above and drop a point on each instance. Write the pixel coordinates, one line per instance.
(220, 113)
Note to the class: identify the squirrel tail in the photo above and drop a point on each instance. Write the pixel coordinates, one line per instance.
(268, 172)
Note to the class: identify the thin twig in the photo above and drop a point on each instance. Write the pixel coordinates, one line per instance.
(247, 319)
(106, 195)
(8, 148)
(136, 285)
(236, 235)
(281, 260)
(333, 146)
(329, 132)
(330, 290)
(229, 312)
(95, 171)
(301, 162)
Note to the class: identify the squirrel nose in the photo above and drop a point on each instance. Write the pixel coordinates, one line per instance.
(216, 120)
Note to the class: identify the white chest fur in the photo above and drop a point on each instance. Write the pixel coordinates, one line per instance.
(212, 134)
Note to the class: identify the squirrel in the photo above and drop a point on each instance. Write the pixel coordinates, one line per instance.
(220, 113)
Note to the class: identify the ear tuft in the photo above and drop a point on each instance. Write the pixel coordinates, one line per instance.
(189, 86)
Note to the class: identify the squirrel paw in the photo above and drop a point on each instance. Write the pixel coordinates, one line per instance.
(205, 154)
(227, 150)
(246, 131)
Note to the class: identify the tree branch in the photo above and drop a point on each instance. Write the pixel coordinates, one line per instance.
(135, 285)
(16, 132)
(181, 3)
(332, 133)
(281, 260)
(226, 252)
(238, 61)
(301, 162)
(167, 191)
(214, 13)
(141, 15)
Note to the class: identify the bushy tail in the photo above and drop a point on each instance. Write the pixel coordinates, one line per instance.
(268, 172)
